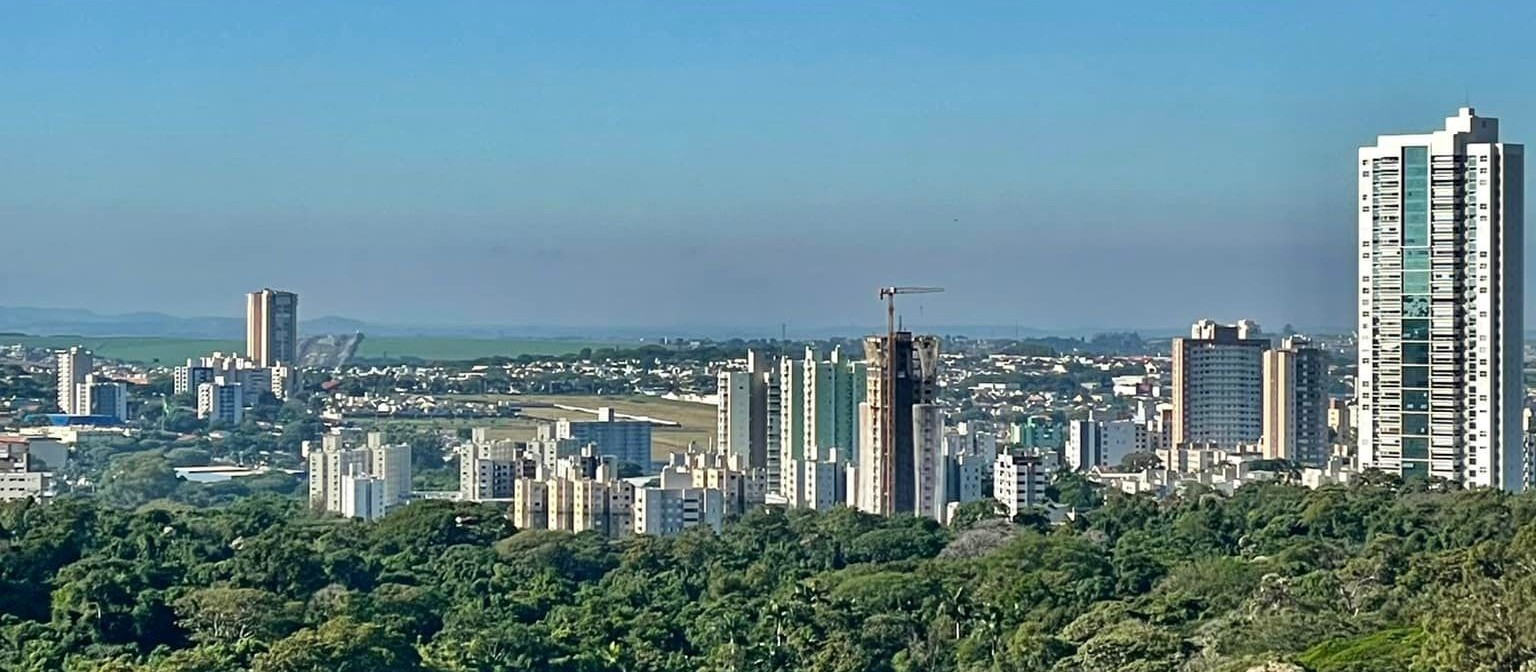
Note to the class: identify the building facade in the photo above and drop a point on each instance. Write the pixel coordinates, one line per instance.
(1218, 385)
(1441, 233)
(221, 400)
(625, 440)
(74, 365)
(748, 404)
(1296, 403)
(272, 327)
(107, 398)
(902, 374)
(1084, 444)
(1019, 481)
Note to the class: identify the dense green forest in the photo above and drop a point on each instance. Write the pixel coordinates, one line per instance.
(1382, 576)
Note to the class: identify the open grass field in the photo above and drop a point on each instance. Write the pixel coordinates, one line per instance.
(148, 350)
(448, 349)
(697, 420)
(144, 350)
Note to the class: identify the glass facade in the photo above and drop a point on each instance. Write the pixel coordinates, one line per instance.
(1414, 402)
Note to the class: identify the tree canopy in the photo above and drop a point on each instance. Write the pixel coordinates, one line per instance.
(1381, 576)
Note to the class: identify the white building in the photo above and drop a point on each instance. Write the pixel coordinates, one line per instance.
(1442, 274)
(362, 496)
(326, 469)
(74, 366)
(819, 401)
(825, 483)
(748, 414)
(930, 468)
(1121, 438)
(387, 468)
(1019, 481)
(1085, 444)
(20, 475)
(487, 470)
(664, 511)
(392, 465)
(252, 376)
(221, 400)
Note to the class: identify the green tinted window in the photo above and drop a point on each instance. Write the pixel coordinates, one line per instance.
(1415, 400)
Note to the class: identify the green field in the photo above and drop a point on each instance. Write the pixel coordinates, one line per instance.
(144, 350)
(149, 350)
(697, 420)
(432, 348)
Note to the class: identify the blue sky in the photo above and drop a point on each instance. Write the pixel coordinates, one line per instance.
(1056, 165)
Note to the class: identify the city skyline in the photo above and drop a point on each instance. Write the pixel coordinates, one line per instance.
(1011, 153)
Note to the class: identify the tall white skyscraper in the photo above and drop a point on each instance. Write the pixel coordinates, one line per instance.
(1441, 325)
(75, 364)
(745, 425)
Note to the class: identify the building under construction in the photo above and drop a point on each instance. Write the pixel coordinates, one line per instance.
(900, 427)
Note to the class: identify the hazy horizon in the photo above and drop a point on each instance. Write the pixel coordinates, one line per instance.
(693, 163)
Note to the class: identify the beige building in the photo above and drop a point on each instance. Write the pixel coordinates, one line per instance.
(583, 493)
(272, 327)
(1295, 403)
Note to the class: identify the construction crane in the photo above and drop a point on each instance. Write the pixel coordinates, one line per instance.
(888, 394)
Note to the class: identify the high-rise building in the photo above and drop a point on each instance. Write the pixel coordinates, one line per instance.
(667, 511)
(221, 400)
(362, 496)
(902, 374)
(1440, 387)
(359, 481)
(819, 400)
(930, 468)
(1296, 403)
(1085, 444)
(1218, 385)
(742, 416)
(487, 469)
(625, 440)
(75, 365)
(1019, 482)
(107, 398)
(391, 464)
(272, 327)
(249, 373)
(1119, 438)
